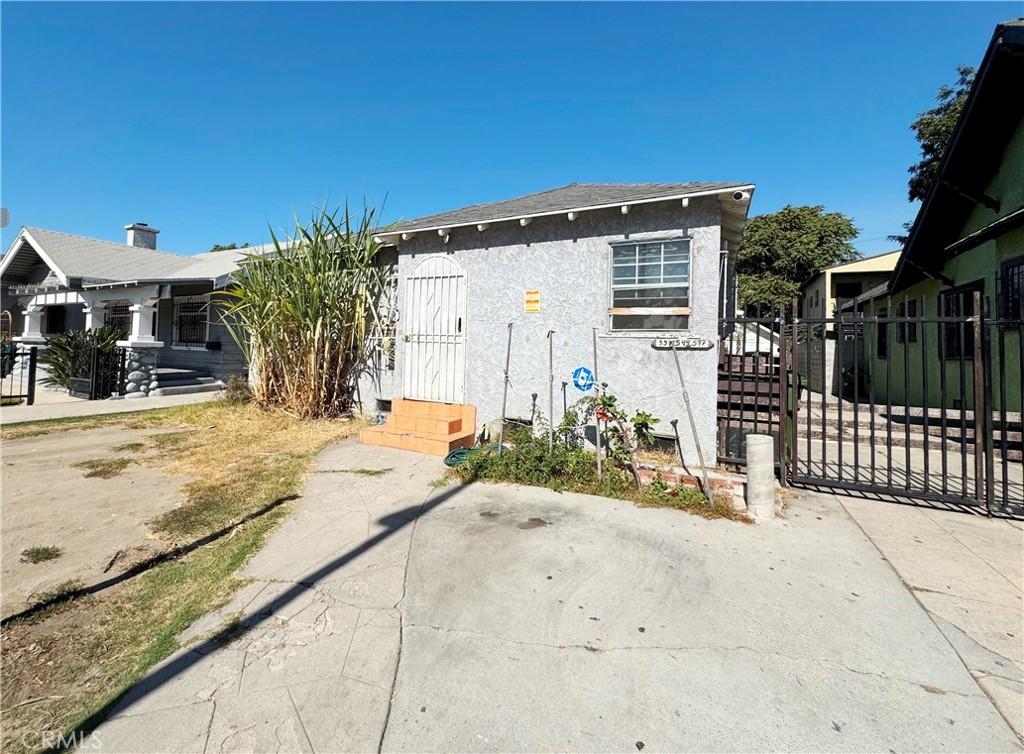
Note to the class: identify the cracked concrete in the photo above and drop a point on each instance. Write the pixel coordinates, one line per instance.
(385, 614)
(968, 573)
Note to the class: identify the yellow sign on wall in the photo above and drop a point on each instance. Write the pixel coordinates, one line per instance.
(531, 302)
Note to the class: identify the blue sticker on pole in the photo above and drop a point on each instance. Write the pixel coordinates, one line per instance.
(583, 379)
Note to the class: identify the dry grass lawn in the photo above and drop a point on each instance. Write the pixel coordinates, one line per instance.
(64, 663)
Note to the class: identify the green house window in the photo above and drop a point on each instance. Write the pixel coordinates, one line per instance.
(958, 337)
(882, 335)
(1012, 297)
(906, 332)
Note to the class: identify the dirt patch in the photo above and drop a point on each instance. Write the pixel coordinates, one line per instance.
(91, 519)
(205, 485)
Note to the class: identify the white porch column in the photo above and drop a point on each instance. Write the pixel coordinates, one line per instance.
(143, 317)
(95, 315)
(33, 323)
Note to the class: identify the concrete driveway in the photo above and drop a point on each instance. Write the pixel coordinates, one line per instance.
(389, 614)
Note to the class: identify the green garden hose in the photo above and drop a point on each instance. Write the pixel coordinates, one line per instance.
(460, 455)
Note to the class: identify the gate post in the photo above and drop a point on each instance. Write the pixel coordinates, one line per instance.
(980, 444)
(783, 398)
(794, 448)
(30, 396)
(94, 364)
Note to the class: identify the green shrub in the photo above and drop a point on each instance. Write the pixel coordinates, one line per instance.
(69, 355)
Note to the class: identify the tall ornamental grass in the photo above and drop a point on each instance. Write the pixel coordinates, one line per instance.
(307, 314)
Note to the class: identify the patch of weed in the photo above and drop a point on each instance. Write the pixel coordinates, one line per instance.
(56, 592)
(104, 468)
(130, 447)
(40, 553)
(367, 472)
(444, 480)
(166, 440)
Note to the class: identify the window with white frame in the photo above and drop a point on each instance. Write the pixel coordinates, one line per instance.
(191, 321)
(650, 285)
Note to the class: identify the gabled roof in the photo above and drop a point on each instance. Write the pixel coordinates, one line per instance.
(96, 262)
(884, 262)
(92, 259)
(576, 197)
(991, 114)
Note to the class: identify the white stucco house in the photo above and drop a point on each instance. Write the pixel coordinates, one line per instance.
(631, 263)
(52, 282)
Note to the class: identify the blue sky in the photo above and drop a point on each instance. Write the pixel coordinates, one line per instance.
(212, 121)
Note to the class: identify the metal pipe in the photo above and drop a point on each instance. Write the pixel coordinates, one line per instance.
(504, 392)
(565, 409)
(551, 391)
(693, 424)
(597, 422)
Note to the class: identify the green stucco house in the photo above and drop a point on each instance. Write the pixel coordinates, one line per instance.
(968, 237)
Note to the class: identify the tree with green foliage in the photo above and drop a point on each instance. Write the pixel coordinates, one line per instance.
(933, 130)
(228, 247)
(784, 249)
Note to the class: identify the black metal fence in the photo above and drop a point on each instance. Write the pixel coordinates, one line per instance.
(17, 374)
(887, 401)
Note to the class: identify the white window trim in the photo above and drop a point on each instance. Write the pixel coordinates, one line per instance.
(175, 343)
(668, 311)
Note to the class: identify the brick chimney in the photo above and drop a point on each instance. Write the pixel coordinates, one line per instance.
(141, 235)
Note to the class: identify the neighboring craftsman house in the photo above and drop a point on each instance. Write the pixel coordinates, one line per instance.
(631, 263)
(53, 282)
(822, 297)
(968, 236)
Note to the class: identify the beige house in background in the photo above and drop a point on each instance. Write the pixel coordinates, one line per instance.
(822, 295)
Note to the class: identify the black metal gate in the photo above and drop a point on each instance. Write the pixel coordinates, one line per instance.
(884, 403)
(17, 374)
(96, 373)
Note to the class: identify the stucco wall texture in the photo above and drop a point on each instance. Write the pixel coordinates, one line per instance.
(570, 264)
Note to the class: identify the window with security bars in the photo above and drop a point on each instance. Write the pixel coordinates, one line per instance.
(119, 316)
(191, 321)
(650, 286)
(388, 313)
(958, 337)
(1013, 289)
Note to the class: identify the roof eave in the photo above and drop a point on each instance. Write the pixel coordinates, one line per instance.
(749, 187)
(147, 281)
(24, 235)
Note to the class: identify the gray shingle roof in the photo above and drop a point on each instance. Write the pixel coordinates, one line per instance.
(96, 261)
(562, 199)
(90, 258)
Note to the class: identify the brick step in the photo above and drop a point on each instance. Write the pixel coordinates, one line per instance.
(424, 427)
(417, 442)
(426, 409)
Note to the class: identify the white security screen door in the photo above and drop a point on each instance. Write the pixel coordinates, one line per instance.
(435, 314)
